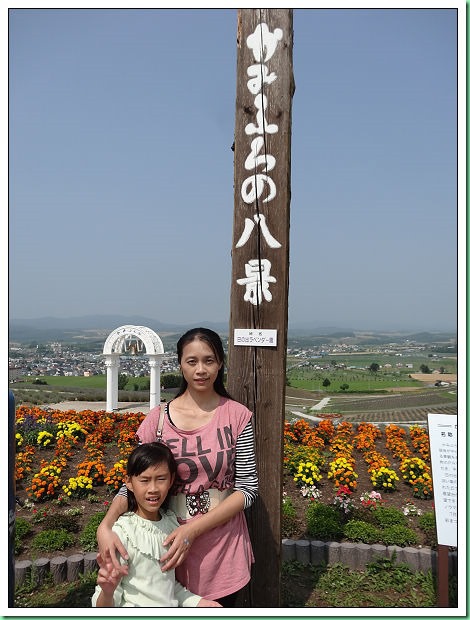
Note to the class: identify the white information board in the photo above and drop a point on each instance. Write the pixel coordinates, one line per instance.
(443, 444)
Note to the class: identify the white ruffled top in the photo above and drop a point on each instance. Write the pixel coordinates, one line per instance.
(146, 585)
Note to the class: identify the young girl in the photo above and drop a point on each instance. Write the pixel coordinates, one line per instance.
(151, 471)
(211, 436)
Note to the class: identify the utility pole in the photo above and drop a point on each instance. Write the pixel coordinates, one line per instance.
(260, 269)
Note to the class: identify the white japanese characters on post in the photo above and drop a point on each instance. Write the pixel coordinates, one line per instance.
(263, 44)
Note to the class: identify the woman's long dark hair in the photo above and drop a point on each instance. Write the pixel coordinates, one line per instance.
(212, 339)
(145, 456)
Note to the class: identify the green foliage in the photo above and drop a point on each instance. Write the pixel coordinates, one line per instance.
(323, 522)
(75, 594)
(389, 515)
(52, 540)
(22, 529)
(122, 381)
(382, 585)
(66, 522)
(384, 570)
(289, 517)
(361, 531)
(88, 536)
(326, 383)
(171, 380)
(144, 383)
(427, 523)
(399, 535)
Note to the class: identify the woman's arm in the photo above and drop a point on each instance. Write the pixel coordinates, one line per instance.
(246, 474)
(109, 542)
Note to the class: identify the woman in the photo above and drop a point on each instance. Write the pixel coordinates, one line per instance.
(211, 436)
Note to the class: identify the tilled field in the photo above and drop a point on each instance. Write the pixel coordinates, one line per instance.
(393, 407)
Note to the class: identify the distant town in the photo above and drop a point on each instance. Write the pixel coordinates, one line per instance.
(73, 360)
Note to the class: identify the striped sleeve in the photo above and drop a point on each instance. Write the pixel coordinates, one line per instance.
(122, 491)
(246, 474)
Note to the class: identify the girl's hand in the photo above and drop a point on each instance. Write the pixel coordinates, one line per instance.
(204, 602)
(110, 545)
(180, 541)
(108, 577)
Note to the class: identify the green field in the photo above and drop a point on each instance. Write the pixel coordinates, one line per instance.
(302, 374)
(95, 381)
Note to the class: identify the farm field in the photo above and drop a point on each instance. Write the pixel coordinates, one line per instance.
(352, 373)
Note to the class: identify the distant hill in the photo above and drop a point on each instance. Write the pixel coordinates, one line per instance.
(97, 327)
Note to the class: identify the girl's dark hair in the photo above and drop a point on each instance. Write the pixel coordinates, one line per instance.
(212, 339)
(145, 456)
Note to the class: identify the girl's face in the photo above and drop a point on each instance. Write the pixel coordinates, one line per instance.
(150, 489)
(199, 366)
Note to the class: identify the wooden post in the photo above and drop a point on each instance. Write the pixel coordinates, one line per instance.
(443, 575)
(260, 276)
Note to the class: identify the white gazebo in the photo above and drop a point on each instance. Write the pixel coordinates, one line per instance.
(120, 341)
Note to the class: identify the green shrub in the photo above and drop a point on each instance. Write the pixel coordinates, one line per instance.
(22, 529)
(66, 522)
(385, 516)
(323, 522)
(360, 531)
(52, 540)
(88, 536)
(289, 517)
(399, 535)
(427, 523)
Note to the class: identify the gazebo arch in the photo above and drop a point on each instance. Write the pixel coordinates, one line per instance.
(116, 344)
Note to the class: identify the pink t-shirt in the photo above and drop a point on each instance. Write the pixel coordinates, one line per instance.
(220, 560)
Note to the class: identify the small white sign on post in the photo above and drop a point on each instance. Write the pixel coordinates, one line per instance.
(255, 337)
(443, 444)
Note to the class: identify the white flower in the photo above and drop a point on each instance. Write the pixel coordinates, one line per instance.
(410, 509)
(311, 492)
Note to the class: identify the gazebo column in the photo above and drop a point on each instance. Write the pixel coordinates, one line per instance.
(112, 373)
(155, 363)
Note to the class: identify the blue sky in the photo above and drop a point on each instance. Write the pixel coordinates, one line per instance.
(121, 172)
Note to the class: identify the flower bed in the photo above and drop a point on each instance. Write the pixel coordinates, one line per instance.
(366, 469)
(70, 464)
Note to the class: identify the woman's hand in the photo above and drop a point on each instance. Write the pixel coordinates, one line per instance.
(204, 602)
(110, 545)
(180, 540)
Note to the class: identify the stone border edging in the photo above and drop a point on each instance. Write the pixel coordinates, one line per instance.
(316, 552)
(61, 567)
(357, 555)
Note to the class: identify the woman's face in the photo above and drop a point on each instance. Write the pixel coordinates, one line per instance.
(199, 365)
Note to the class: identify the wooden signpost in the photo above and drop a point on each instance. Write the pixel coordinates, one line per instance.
(260, 269)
